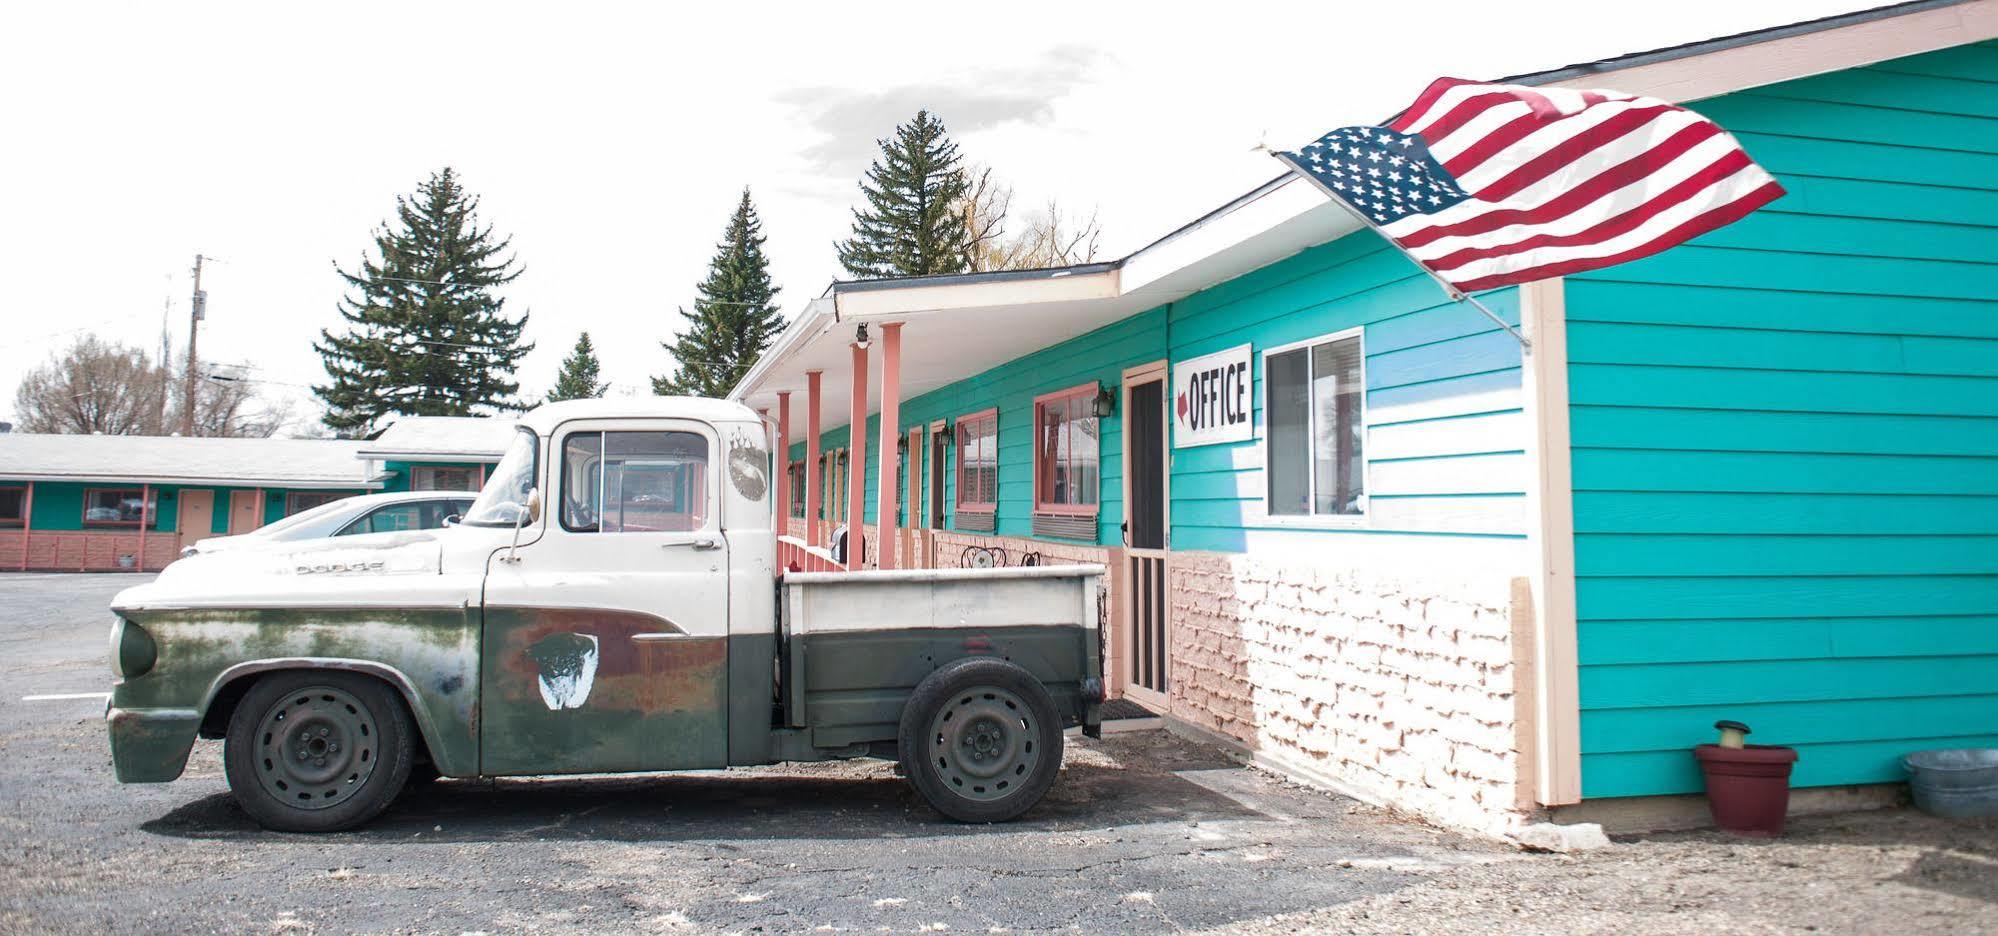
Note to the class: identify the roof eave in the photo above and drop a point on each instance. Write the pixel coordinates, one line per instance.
(341, 484)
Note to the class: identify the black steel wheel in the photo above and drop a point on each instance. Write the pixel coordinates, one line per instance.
(317, 751)
(981, 740)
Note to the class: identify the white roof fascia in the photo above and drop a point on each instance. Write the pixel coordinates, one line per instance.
(819, 315)
(129, 480)
(890, 303)
(1787, 58)
(386, 455)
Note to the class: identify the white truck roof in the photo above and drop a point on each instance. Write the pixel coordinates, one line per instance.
(543, 418)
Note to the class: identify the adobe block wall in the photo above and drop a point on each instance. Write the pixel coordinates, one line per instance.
(1396, 690)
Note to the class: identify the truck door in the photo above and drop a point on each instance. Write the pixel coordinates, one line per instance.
(606, 639)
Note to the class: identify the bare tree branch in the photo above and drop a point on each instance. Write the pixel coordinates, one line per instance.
(1047, 239)
(103, 387)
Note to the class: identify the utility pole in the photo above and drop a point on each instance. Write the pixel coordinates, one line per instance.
(194, 317)
(166, 351)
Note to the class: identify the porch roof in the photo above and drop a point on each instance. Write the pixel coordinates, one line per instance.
(958, 326)
(441, 438)
(107, 459)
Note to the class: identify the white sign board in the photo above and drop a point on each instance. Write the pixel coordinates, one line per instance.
(1213, 399)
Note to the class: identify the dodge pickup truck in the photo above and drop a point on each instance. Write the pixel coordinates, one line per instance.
(611, 603)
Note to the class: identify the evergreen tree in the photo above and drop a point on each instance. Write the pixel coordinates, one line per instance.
(734, 317)
(913, 224)
(578, 379)
(426, 335)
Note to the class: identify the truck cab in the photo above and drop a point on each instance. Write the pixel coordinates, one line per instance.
(611, 603)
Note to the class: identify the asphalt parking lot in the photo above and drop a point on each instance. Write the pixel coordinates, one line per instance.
(1143, 833)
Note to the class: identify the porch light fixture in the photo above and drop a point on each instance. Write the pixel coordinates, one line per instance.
(1105, 404)
(860, 337)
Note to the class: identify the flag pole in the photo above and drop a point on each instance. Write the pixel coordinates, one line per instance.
(1449, 289)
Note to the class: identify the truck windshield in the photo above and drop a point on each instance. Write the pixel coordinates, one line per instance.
(500, 501)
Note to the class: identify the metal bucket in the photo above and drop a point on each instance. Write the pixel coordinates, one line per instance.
(1954, 783)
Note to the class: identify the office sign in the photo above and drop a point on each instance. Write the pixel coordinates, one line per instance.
(1213, 399)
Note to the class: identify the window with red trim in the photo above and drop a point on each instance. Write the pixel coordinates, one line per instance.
(797, 474)
(120, 507)
(1067, 453)
(13, 506)
(300, 501)
(978, 461)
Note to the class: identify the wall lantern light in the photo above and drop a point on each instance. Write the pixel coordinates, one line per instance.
(1105, 403)
(860, 337)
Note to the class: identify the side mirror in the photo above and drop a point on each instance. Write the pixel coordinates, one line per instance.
(529, 512)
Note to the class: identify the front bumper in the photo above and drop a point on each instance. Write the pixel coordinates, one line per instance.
(150, 745)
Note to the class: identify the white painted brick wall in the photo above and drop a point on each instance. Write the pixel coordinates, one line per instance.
(1399, 690)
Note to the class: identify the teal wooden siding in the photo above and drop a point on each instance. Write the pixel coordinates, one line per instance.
(1446, 439)
(58, 505)
(1786, 445)
(399, 473)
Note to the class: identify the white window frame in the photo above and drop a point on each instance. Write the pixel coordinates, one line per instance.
(430, 471)
(1360, 520)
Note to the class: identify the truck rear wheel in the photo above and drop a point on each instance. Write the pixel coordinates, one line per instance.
(980, 740)
(317, 751)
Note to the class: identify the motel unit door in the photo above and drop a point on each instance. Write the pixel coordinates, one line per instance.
(245, 511)
(1143, 620)
(197, 516)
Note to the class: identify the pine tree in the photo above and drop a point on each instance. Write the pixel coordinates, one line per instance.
(914, 223)
(426, 335)
(734, 318)
(578, 379)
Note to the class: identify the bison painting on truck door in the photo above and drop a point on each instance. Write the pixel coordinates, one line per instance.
(606, 637)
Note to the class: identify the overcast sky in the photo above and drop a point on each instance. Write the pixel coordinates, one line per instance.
(612, 142)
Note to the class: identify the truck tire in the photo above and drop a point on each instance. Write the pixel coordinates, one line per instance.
(317, 751)
(980, 740)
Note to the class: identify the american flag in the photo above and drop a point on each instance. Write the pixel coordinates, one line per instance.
(1492, 185)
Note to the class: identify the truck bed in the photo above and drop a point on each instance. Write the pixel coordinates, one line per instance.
(853, 645)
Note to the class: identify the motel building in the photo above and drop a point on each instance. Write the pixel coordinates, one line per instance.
(74, 503)
(1359, 534)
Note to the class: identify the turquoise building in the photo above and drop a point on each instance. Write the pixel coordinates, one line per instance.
(82, 503)
(1361, 534)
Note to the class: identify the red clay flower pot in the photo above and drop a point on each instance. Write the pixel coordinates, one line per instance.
(1748, 788)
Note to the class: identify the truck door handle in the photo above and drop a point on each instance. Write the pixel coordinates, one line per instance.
(698, 542)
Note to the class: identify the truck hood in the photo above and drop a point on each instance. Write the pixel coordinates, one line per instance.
(411, 569)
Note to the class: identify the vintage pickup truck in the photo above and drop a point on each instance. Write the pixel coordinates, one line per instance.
(611, 603)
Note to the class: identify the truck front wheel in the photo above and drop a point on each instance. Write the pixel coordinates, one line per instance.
(317, 751)
(980, 740)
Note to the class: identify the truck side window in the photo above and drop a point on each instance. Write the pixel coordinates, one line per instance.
(634, 482)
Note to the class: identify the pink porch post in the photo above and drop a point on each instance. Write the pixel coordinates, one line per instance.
(856, 485)
(783, 462)
(813, 487)
(145, 513)
(891, 434)
(27, 522)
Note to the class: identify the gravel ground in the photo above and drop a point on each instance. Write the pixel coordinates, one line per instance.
(1143, 833)
(1891, 871)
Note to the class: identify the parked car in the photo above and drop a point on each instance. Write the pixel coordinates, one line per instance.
(349, 516)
